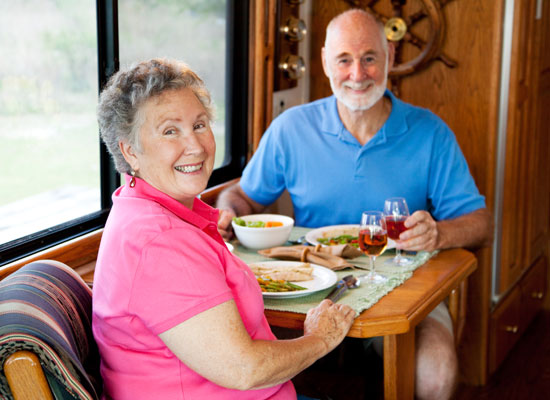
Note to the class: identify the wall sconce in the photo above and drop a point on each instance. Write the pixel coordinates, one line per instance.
(293, 66)
(294, 29)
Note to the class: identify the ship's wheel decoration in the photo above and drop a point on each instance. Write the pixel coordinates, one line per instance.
(399, 27)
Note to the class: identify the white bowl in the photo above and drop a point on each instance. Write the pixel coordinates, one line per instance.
(263, 238)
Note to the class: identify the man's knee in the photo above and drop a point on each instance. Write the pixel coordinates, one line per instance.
(437, 380)
(436, 364)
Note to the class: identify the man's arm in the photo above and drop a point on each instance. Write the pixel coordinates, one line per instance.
(469, 230)
(233, 202)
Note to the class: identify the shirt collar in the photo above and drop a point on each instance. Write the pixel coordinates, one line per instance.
(202, 216)
(331, 119)
(396, 124)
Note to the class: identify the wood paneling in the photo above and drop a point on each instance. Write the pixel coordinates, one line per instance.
(514, 215)
(466, 97)
(538, 172)
(321, 13)
(544, 125)
(261, 58)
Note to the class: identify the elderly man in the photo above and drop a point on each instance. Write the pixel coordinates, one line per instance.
(347, 153)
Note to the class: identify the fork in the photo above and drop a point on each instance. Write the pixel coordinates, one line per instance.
(300, 240)
(347, 282)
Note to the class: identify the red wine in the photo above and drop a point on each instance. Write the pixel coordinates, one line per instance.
(395, 226)
(373, 240)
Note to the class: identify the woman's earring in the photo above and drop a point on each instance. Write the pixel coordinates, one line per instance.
(133, 180)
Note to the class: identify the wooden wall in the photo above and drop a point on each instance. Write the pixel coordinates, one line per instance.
(466, 97)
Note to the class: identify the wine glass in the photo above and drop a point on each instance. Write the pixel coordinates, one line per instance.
(396, 212)
(373, 240)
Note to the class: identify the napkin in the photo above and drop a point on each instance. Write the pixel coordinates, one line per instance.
(314, 254)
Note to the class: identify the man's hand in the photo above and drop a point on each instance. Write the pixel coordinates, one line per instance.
(471, 230)
(422, 233)
(233, 202)
(224, 223)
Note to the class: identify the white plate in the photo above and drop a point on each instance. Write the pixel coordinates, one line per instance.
(229, 246)
(323, 278)
(336, 230)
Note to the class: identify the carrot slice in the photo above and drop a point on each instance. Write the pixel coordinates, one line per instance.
(271, 224)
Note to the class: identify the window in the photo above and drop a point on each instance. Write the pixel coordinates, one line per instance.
(57, 178)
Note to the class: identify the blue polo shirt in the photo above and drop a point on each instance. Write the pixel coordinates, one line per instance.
(332, 179)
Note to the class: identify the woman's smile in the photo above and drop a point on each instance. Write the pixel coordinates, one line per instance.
(189, 168)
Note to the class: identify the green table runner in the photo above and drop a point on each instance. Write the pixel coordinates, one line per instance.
(360, 298)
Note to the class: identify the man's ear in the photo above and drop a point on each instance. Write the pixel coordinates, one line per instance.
(324, 61)
(129, 154)
(391, 55)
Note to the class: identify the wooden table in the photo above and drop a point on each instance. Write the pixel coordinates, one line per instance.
(396, 315)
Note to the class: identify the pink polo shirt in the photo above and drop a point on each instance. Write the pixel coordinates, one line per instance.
(158, 265)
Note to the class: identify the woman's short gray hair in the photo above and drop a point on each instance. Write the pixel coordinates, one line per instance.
(120, 101)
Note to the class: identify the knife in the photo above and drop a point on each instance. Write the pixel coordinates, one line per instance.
(341, 286)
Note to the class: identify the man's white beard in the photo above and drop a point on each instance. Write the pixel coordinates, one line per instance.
(364, 102)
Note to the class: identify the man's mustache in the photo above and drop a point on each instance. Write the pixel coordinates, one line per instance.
(358, 85)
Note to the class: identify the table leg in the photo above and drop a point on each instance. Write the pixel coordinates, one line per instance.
(399, 365)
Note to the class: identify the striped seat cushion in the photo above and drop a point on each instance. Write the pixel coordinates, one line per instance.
(46, 307)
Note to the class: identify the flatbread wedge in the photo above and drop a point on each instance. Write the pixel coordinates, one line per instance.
(296, 273)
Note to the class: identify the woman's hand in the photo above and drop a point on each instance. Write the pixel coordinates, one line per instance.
(224, 223)
(329, 322)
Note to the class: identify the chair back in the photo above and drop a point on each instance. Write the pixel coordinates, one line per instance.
(46, 309)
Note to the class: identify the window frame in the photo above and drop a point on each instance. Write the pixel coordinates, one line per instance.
(237, 23)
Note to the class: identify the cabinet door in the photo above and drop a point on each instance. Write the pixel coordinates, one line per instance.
(525, 201)
(505, 328)
(539, 166)
(533, 290)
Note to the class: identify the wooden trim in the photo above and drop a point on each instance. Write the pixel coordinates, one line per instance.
(399, 366)
(75, 253)
(210, 195)
(457, 309)
(26, 378)
(262, 81)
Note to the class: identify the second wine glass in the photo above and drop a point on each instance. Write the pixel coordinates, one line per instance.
(396, 212)
(373, 240)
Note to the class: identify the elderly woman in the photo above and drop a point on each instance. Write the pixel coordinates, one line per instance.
(176, 315)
